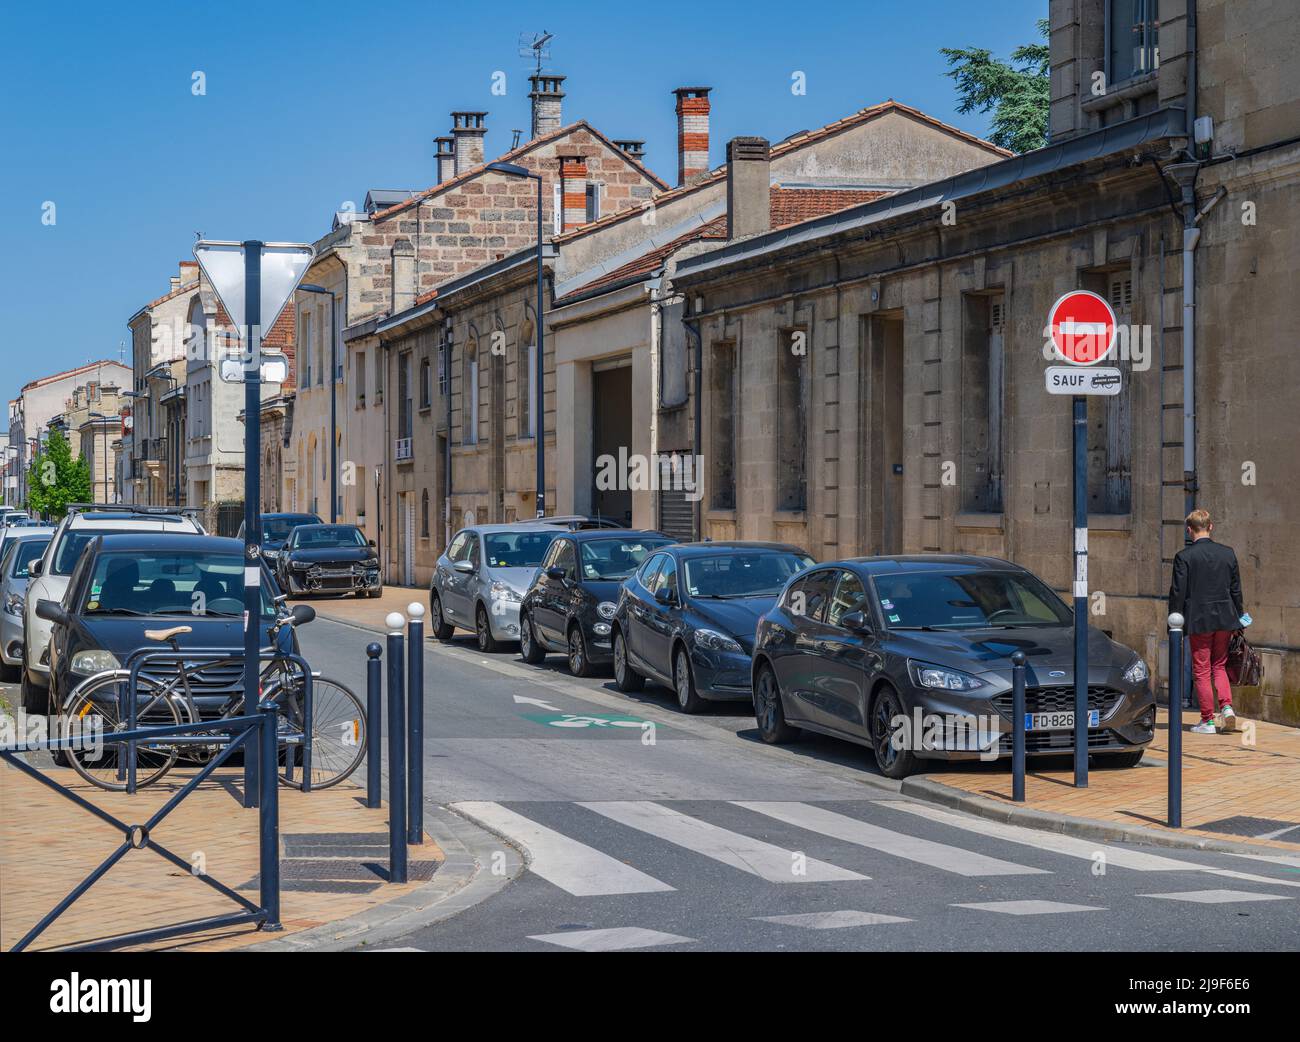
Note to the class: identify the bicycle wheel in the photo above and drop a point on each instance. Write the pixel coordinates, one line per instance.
(97, 704)
(338, 732)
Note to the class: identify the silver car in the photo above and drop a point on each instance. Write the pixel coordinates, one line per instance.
(21, 547)
(482, 577)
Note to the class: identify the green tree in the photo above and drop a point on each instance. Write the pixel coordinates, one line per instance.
(56, 479)
(1018, 92)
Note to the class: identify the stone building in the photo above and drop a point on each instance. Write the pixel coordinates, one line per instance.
(92, 423)
(912, 416)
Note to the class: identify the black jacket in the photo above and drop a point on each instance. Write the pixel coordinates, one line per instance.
(1206, 589)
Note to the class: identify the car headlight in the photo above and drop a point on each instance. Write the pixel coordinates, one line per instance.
(941, 678)
(270, 555)
(502, 592)
(299, 566)
(606, 609)
(14, 604)
(712, 640)
(1137, 672)
(94, 661)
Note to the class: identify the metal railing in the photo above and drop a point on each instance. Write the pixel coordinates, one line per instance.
(403, 449)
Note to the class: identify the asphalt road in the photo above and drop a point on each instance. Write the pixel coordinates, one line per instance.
(644, 829)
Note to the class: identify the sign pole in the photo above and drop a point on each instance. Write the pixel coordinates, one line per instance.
(252, 505)
(1080, 591)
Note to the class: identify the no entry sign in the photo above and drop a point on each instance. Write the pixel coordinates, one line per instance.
(1082, 327)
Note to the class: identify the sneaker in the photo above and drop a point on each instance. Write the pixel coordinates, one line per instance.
(1229, 719)
(1204, 727)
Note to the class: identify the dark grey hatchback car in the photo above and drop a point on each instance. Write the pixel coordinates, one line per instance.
(911, 656)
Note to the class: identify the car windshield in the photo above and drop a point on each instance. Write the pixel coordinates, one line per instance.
(742, 573)
(169, 582)
(967, 600)
(277, 529)
(329, 537)
(616, 557)
(517, 549)
(19, 557)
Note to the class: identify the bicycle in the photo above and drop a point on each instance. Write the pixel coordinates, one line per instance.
(338, 733)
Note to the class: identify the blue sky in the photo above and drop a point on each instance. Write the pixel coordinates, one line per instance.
(310, 105)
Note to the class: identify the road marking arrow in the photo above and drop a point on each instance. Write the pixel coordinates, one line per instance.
(521, 700)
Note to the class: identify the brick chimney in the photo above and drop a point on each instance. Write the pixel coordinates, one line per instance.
(634, 149)
(467, 130)
(189, 271)
(573, 191)
(547, 98)
(444, 156)
(749, 207)
(403, 256)
(692, 133)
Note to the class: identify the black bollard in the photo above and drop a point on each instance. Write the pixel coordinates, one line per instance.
(267, 737)
(415, 724)
(396, 752)
(374, 724)
(1018, 727)
(1175, 721)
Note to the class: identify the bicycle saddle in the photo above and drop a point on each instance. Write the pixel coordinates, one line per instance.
(161, 636)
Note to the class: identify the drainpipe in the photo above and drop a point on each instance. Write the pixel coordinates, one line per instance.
(446, 467)
(697, 391)
(1185, 175)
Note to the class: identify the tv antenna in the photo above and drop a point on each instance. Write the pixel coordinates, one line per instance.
(536, 46)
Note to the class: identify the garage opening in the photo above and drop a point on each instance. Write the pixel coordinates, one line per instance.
(611, 388)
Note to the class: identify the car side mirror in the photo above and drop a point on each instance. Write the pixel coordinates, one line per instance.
(34, 569)
(556, 572)
(465, 567)
(302, 614)
(370, 542)
(665, 596)
(51, 611)
(856, 621)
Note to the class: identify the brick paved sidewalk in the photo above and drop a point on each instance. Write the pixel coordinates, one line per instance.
(365, 612)
(1242, 788)
(328, 841)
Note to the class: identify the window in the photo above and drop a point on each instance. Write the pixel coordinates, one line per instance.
(982, 360)
(755, 573)
(405, 423)
(646, 576)
(666, 578)
(526, 387)
(1110, 417)
(792, 427)
(849, 595)
(615, 558)
(567, 559)
(380, 361)
(968, 600)
(808, 596)
(304, 344)
(459, 549)
(593, 200)
(424, 514)
(470, 400)
(426, 383)
(1132, 48)
(557, 209)
(722, 427)
(444, 370)
(361, 377)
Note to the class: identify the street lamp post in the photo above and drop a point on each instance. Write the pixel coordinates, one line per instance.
(307, 287)
(539, 373)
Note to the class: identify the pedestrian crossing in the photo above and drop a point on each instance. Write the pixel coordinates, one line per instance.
(865, 853)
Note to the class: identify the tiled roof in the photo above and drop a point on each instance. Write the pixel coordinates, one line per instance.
(790, 144)
(510, 157)
(788, 206)
(186, 288)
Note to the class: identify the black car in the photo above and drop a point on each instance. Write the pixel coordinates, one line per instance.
(126, 584)
(570, 605)
(334, 559)
(912, 656)
(687, 617)
(275, 530)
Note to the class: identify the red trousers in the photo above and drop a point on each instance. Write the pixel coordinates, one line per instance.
(1210, 670)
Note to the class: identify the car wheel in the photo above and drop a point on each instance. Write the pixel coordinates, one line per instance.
(9, 674)
(483, 630)
(892, 761)
(1118, 761)
(579, 663)
(375, 594)
(688, 699)
(442, 629)
(529, 649)
(36, 700)
(626, 678)
(769, 710)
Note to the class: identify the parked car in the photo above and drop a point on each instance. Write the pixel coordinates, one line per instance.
(571, 603)
(128, 583)
(275, 530)
(23, 546)
(481, 578)
(49, 575)
(334, 559)
(23, 525)
(581, 522)
(867, 649)
(687, 617)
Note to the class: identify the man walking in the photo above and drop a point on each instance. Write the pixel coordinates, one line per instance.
(1206, 591)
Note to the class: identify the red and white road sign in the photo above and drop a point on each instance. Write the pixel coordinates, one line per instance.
(1082, 327)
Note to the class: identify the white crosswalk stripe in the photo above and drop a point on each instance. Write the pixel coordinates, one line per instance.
(1028, 907)
(1216, 897)
(772, 863)
(838, 920)
(572, 866)
(911, 848)
(1136, 860)
(616, 939)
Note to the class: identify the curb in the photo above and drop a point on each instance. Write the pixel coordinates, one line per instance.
(459, 884)
(1085, 828)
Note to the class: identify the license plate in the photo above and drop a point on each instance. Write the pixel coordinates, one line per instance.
(1058, 721)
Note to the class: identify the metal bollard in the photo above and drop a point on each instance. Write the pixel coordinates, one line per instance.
(1175, 721)
(415, 724)
(269, 816)
(396, 753)
(374, 724)
(1018, 727)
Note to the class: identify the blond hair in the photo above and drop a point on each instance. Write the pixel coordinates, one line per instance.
(1199, 520)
